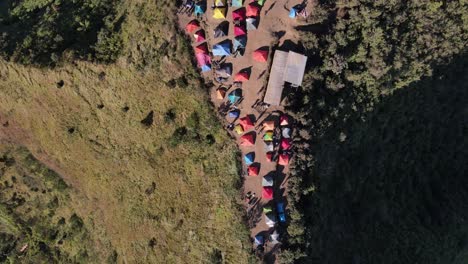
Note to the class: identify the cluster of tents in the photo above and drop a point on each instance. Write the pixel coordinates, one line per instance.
(284, 144)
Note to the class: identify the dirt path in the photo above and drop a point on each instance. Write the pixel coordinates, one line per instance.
(274, 28)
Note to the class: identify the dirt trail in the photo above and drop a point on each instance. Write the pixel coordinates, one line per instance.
(274, 28)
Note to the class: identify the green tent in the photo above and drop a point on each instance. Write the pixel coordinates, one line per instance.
(268, 136)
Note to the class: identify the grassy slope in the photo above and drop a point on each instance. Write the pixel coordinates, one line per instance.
(112, 159)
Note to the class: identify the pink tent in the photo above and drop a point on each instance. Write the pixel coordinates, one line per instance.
(239, 31)
(260, 55)
(199, 35)
(247, 140)
(252, 170)
(246, 123)
(284, 120)
(202, 48)
(252, 10)
(267, 193)
(192, 26)
(285, 143)
(283, 159)
(203, 59)
(241, 77)
(238, 14)
(269, 156)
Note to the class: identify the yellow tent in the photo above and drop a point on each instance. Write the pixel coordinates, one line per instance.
(220, 3)
(220, 93)
(219, 13)
(269, 125)
(239, 130)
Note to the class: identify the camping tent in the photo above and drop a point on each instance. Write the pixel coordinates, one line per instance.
(284, 120)
(233, 114)
(247, 140)
(268, 137)
(225, 70)
(198, 10)
(283, 159)
(219, 13)
(269, 125)
(253, 170)
(285, 143)
(202, 48)
(240, 42)
(293, 13)
(267, 209)
(269, 156)
(267, 181)
(246, 123)
(241, 77)
(199, 35)
(239, 31)
(222, 49)
(192, 26)
(221, 30)
(269, 147)
(251, 23)
(267, 193)
(234, 96)
(239, 129)
(260, 55)
(286, 132)
(252, 10)
(205, 68)
(260, 2)
(270, 219)
(238, 14)
(220, 3)
(220, 93)
(249, 158)
(237, 3)
(258, 240)
(274, 238)
(202, 59)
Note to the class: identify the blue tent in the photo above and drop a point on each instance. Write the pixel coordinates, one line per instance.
(222, 49)
(237, 3)
(205, 68)
(198, 10)
(249, 158)
(240, 42)
(293, 13)
(233, 114)
(258, 240)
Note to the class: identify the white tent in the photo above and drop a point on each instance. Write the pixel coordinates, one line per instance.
(267, 181)
(286, 132)
(274, 237)
(270, 219)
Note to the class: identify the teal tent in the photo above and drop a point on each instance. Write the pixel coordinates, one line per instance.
(234, 96)
(249, 158)
(239, 42)
(198, 10)
(237, 3)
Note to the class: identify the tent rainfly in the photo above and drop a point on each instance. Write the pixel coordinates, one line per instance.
(247, 140)
(221, 30)
(253, 170)
(237, 3)
(268, 137)
(249, 158)
(267, 181)
(286, 132)
(238, 14)
(219, 13)
(252, 10)
(283, 159)
(267, 193)
(251, 23)
(239, 129)
(239, 31)
(260, 55)
(270, 219)
(240, 42)
(192, 26)
(222, 49)
(246, 123)
(199, 35)
(221, 93)
(285, 143)
(241, 77)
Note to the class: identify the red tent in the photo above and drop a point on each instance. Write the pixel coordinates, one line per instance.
(238, 14)
(246, 123)
(202, 48)
(203, 59)
(269, 156)
(285, 143)
(260, 55)
(239, 31)
(192, 26)
(267, 193)
(284, 120)
(252, 170)
(241, 77)
(252, 10)
(247, 140)
(283, 159)
(199, 35)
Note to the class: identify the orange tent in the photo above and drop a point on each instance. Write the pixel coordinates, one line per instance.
(247, 140)
(246, 123)
(202, 48)
(252, 10)
(241, 77)
(192, 26)
(220, 93)
(260, 55)
(252, 170)
(283, 159)
(269, 125)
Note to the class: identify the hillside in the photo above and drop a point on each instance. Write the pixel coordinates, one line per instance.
(124, 120)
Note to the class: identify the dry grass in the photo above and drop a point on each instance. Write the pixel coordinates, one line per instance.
(111, 159)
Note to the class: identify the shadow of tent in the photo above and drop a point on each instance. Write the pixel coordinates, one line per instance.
(289, 45)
